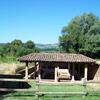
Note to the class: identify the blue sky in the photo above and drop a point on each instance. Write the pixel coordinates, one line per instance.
(40, 20)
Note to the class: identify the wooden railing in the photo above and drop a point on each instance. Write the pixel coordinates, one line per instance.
(83, 92)
(30, 71)
(37, 92)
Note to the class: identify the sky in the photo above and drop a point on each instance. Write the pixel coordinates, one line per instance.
(40, 20)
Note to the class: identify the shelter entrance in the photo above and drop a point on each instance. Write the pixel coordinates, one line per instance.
(78, 72)
(47, 71)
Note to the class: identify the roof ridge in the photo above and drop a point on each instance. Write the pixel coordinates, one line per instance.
(56, 57)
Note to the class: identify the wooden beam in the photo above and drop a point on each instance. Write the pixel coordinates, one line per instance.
(12, 80)
(15, 90)
(69, 67)
(79, 68)
(26, 71)
(61, 84)
(61, 93)
(34, 73)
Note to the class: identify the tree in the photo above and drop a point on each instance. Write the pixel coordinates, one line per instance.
(29, 44)
(81, 34)
(1, 51)
(7, 49)
(17, 48)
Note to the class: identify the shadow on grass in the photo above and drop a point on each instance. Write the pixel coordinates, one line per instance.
(9, 87)
(14, 85)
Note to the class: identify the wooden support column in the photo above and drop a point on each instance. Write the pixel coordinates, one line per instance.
(26, 71)
(34, 75)
(73, 69)
(56, 76)
(86, 71)
(69, 67)
(39, 74)
(79, 68)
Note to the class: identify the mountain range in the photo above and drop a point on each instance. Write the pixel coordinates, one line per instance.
(46, 46)
(42, 46)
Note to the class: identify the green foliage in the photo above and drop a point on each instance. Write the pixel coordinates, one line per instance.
(29, 44)
(7, 59)
(17, 48)
(82, 35)
(1, 51)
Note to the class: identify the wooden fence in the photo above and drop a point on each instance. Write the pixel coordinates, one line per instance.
(83, 92)
(37, 92)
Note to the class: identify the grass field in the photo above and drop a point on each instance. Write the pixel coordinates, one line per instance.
(31, 96)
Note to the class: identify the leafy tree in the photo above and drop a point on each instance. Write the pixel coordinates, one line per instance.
(7, 49)
(29, 44)
(17, 48)
(82, 35)
(1, 51)
(22, 51)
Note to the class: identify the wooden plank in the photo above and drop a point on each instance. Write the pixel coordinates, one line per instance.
(31, 74)
(61, 93)
(93, 82)
(13, 80)
(16, 90)
(62, 84)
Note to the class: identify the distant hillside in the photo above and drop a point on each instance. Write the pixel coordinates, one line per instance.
(47, 47)
(44, 46)
(1, 44)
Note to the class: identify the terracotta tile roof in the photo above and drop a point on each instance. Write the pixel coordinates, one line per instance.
(56, 57)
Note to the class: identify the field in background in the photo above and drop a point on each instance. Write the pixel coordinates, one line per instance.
(10, 65)
(98, 61)
(11, 68)
(8, 59)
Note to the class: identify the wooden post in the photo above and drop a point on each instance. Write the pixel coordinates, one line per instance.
(86, 71)
(26, 71)
(79, 68)
(56, 76)
(69, 67)
(84, 87)
(35, 70)
(73, 69)
(39, 74)
(37, 89)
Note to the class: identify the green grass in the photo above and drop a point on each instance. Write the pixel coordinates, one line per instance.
(30, 95)
(60, 88)
(8, 59)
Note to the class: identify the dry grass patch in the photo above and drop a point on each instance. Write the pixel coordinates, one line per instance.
(98, 61)
(94, 86)
(10, 68)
